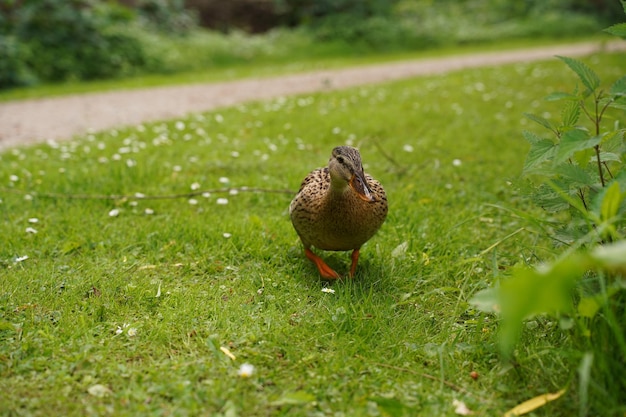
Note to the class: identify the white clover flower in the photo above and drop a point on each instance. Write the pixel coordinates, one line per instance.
(140, 195)
(219, 118)
(328, 290)
(132, 332)
(114, 213)
(224, 180)
(180, 125)
(195, 186)
(14, 178)
(407, 148)
(234, 154)
(234, 191)
(31, 230)
(193, 201)
(245, 370)
(177, 168)
(226, 235)
(456, 162)
(148, 211)
(206, 194)
(33, 220)
(222, 201)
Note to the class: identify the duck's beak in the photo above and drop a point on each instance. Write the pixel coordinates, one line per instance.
(359, 185)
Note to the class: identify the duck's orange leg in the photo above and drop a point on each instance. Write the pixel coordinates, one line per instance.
(355, 260)
(325, 271)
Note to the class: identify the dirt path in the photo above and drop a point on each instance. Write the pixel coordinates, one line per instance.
(29, 121)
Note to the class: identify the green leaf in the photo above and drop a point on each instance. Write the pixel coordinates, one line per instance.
(548, 199)
(619, 87)
(589, 306)
(617, 30)
(570, 113)
(587, 76)
(575, 176)
(531, 137)
(538, 119)
(486, 300)
(582, 158)
(561, 96)
(573, 141)
(539, 152)
(611, 202)
(546, 289)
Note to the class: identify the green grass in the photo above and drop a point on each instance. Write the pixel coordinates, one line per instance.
(300, 59)
(399, 339)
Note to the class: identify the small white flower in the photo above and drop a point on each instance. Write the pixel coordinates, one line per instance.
(133, 204)
(177, 168)
(180, 125)
(224, 180)
(119, 330)
(31, 230)
(21, 258)
(234, 154)
(226, 235)
(99, 390)
(140, 195)
(222, 201)
(28, 197)
(234, 191)
(114, 213)
(195, 186)
(132, 332)
(148, 211)
(328, 290)
(336, 130)
(206, 194)
(219, 118)
(407, 148)
(33, 220)
(193, 201)
(456, 162)
(14, 178)
(246, 370)
(460, 408)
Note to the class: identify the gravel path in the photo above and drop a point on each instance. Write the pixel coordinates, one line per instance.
(29, 121)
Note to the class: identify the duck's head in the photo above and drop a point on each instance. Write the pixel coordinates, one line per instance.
(346, 169)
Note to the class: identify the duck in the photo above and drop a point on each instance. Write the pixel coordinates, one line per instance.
(338, 208)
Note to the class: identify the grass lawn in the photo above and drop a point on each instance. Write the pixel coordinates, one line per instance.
(294, 62)
(138, 306)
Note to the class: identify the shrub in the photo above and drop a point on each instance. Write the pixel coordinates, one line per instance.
(577, 175)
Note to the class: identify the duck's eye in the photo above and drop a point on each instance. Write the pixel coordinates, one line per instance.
(340, 159)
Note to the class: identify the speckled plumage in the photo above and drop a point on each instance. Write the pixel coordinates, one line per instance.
(334, 210)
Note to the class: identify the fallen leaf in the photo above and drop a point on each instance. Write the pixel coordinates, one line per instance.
(533, 404)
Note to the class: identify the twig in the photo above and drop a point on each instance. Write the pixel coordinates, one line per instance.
(139, 196)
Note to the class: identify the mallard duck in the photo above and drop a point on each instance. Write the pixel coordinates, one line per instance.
(338, 208)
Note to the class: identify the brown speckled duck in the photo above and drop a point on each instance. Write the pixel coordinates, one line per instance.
(338, 208)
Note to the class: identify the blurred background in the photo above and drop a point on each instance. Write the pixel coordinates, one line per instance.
(47, 41)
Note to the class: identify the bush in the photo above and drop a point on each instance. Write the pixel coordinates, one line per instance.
(13, 68)
(577, 174)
